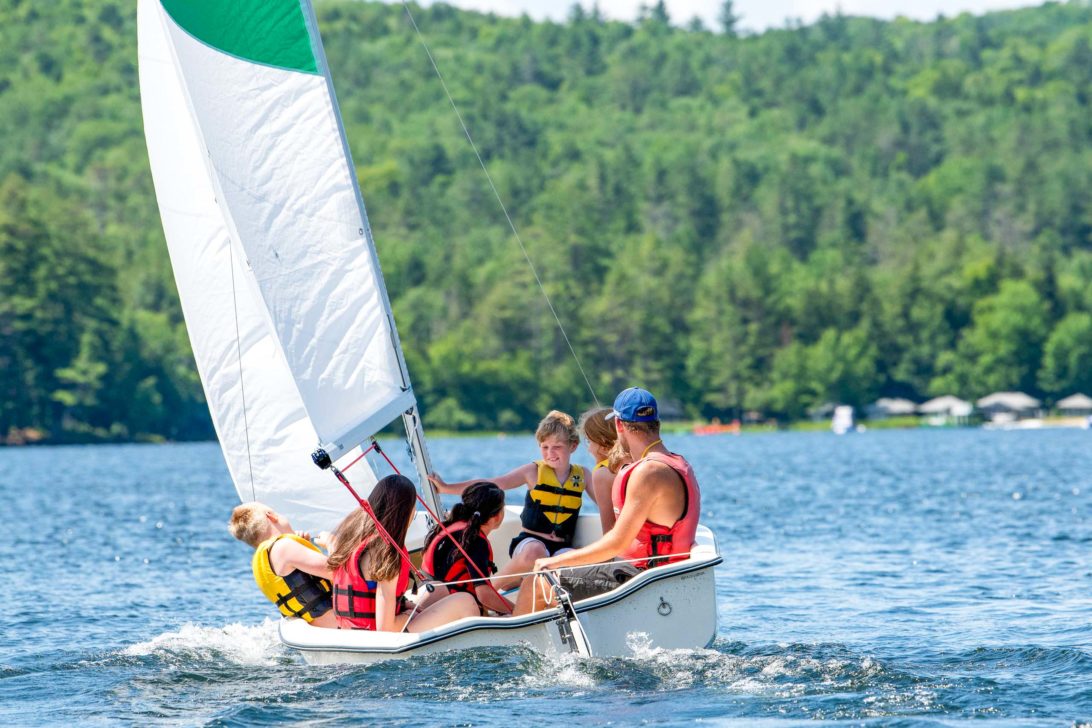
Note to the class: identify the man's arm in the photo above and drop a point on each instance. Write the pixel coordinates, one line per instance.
(643, 490)
(523, 475)
(288, 555)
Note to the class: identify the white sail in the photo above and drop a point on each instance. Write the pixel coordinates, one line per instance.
(278, 280)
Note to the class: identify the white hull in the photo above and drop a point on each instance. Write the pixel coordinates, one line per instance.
(671, 607)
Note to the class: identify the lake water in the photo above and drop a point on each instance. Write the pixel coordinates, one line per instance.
(887, 578)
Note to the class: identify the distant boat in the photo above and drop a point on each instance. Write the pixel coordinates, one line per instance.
(842, 421)
(716, 427)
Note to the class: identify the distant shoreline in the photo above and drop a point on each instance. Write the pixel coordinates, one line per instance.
(31, 437)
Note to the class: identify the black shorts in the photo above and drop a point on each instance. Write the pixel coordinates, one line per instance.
(588, 581)
(552, 547)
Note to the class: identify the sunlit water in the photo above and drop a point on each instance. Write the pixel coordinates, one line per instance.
(889, 578)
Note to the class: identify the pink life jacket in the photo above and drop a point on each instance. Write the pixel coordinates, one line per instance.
(654, 542)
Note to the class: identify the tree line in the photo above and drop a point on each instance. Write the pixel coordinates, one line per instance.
(832, 212)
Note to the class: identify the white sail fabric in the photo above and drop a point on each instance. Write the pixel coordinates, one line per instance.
(252, 391)
(286, 187)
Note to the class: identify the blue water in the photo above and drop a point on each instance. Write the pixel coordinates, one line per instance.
(888, 578)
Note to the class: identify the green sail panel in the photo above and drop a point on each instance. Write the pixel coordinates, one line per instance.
(270, 32)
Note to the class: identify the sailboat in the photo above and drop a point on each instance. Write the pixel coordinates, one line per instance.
(291, 325)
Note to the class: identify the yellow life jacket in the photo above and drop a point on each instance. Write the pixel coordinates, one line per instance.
(552, 507)
(297, 595)
(601, 464)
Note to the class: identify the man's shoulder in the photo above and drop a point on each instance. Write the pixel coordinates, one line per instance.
(654, 472)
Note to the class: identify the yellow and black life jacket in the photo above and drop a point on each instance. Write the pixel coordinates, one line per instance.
(552, 507)
(297, 595)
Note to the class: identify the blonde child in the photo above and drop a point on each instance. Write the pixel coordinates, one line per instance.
(555, 490)
(288, 568)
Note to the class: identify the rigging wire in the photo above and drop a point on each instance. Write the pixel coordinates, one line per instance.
(239, 354)
(504, 209)
(439, 522)
(521, 574)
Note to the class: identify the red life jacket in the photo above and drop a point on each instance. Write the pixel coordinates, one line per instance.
(459, 569)
(354, 596)
(655, 540)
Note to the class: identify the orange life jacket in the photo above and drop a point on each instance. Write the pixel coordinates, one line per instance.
(354, 596)
(655, 541)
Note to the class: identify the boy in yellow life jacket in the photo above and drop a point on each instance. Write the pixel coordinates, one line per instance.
(555, 491)
(289, 569)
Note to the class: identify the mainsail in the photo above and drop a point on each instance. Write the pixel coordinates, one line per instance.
(280, 285)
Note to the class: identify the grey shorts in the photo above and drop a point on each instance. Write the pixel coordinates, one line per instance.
(588, 581)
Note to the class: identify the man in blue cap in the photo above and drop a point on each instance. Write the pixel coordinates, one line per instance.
(656, 501)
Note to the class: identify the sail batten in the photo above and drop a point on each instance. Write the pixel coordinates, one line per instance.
(254, 180)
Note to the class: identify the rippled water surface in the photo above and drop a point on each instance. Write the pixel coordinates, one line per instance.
(888, 578)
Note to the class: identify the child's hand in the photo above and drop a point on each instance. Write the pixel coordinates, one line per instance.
(323, 540)
(437, 481)
(304, 535)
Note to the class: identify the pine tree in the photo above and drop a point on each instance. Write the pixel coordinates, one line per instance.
(728, 18)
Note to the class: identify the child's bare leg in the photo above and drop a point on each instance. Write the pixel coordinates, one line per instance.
(522, 561)
(452, 607)
(431, 597)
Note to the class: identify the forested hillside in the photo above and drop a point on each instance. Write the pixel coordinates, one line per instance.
(833, 212)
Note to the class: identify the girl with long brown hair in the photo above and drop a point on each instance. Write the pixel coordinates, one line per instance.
(371, 576)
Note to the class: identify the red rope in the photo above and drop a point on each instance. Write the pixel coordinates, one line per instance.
(440, 522)
(379, 526)
(359, 457)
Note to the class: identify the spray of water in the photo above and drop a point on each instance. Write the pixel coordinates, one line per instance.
(241, 644)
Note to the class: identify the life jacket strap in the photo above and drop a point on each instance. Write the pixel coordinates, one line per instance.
(350, 596)
(660, 543)
(576, 492)
(306, 594)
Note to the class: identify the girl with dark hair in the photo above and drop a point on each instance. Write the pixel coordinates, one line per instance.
(371, 576)
(471, 521)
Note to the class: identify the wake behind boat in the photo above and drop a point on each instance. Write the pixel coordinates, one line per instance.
(290, 321)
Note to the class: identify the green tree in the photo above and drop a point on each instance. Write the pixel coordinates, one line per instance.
(1067, 356)
(842, 367)
(728, 18)
(80, 384)
(1002, 348)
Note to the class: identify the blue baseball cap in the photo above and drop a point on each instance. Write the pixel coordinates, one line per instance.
(635, 405)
